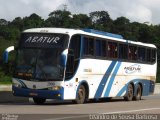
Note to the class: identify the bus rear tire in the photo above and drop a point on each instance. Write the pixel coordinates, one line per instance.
(129, 96)
(81, 96)
(138, 93)
(39, 101)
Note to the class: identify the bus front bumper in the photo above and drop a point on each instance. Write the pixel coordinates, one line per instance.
(47, 94)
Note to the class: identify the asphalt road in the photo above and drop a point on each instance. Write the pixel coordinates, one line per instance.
(117, 108)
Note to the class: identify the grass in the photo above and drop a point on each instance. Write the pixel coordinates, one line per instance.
(5, 79)
(5, 83)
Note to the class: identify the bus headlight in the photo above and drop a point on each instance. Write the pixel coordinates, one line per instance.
(17, 85)
(55, 88)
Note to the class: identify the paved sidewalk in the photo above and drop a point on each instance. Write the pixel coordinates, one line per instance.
(5, 87)
(157, 88)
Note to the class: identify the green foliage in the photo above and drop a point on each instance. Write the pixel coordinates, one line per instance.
(32, 21)
(5, 79)
(100, 20)
(5, 76)
(122, 26)
(58, 18)
(80, 21)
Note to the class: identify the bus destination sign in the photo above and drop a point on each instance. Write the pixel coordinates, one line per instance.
(42, 40)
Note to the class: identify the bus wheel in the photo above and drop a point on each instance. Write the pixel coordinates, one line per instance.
(39, 101)
(80, 99)
(129, 95)
(138, 93)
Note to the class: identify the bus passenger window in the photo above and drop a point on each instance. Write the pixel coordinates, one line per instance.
(104, 50)
(132, 53)
(100, 48)
(141, 54)
(112, 50)
(148, 55)
(88, 46)
(123, 51)
(153, 58)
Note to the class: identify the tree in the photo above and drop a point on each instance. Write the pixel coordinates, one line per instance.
(122, 26)
(101, 20)
(58, 18)
(134, 27)
(145, 34)
(156, 34)
(17, 23)
(33, 21)
(3, 22)
(80, 21)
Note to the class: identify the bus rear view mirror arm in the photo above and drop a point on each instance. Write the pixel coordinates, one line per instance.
(6, 53)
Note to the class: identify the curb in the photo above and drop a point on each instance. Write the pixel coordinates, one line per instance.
(5, 87)
(157, 88)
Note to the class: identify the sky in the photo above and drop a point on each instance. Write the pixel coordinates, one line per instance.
(135, 10)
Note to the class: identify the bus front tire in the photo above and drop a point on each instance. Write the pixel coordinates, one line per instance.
(81, 96)
(129, 96)
(39, 101)
(138, 93)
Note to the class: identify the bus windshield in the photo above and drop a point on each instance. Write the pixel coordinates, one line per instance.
(39, 64)
(38, 57)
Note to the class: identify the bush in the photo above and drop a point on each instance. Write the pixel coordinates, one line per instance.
(5, 79)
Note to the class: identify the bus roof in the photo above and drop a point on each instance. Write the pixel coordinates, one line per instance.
(90, 32)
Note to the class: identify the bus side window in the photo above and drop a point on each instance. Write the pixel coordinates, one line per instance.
(153, 58)
(73, 56)
(70, 65)
(88, 46)
(132, 53)
(104, 48)
(112, 50)
(123, 51)
(141, 54)
(148, 55)
(100, 48)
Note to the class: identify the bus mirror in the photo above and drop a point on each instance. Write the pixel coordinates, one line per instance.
(63, 58)
(6, 53)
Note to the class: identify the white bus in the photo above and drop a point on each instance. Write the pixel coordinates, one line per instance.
(82, 64)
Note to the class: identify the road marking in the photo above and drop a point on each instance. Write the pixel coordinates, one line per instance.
(116, 112)
(70, 117)
(129, 111)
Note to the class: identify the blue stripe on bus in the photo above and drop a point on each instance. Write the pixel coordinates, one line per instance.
(108, 89)
(122, 90)
(104, 80)
(22, 83)
(145, 84)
